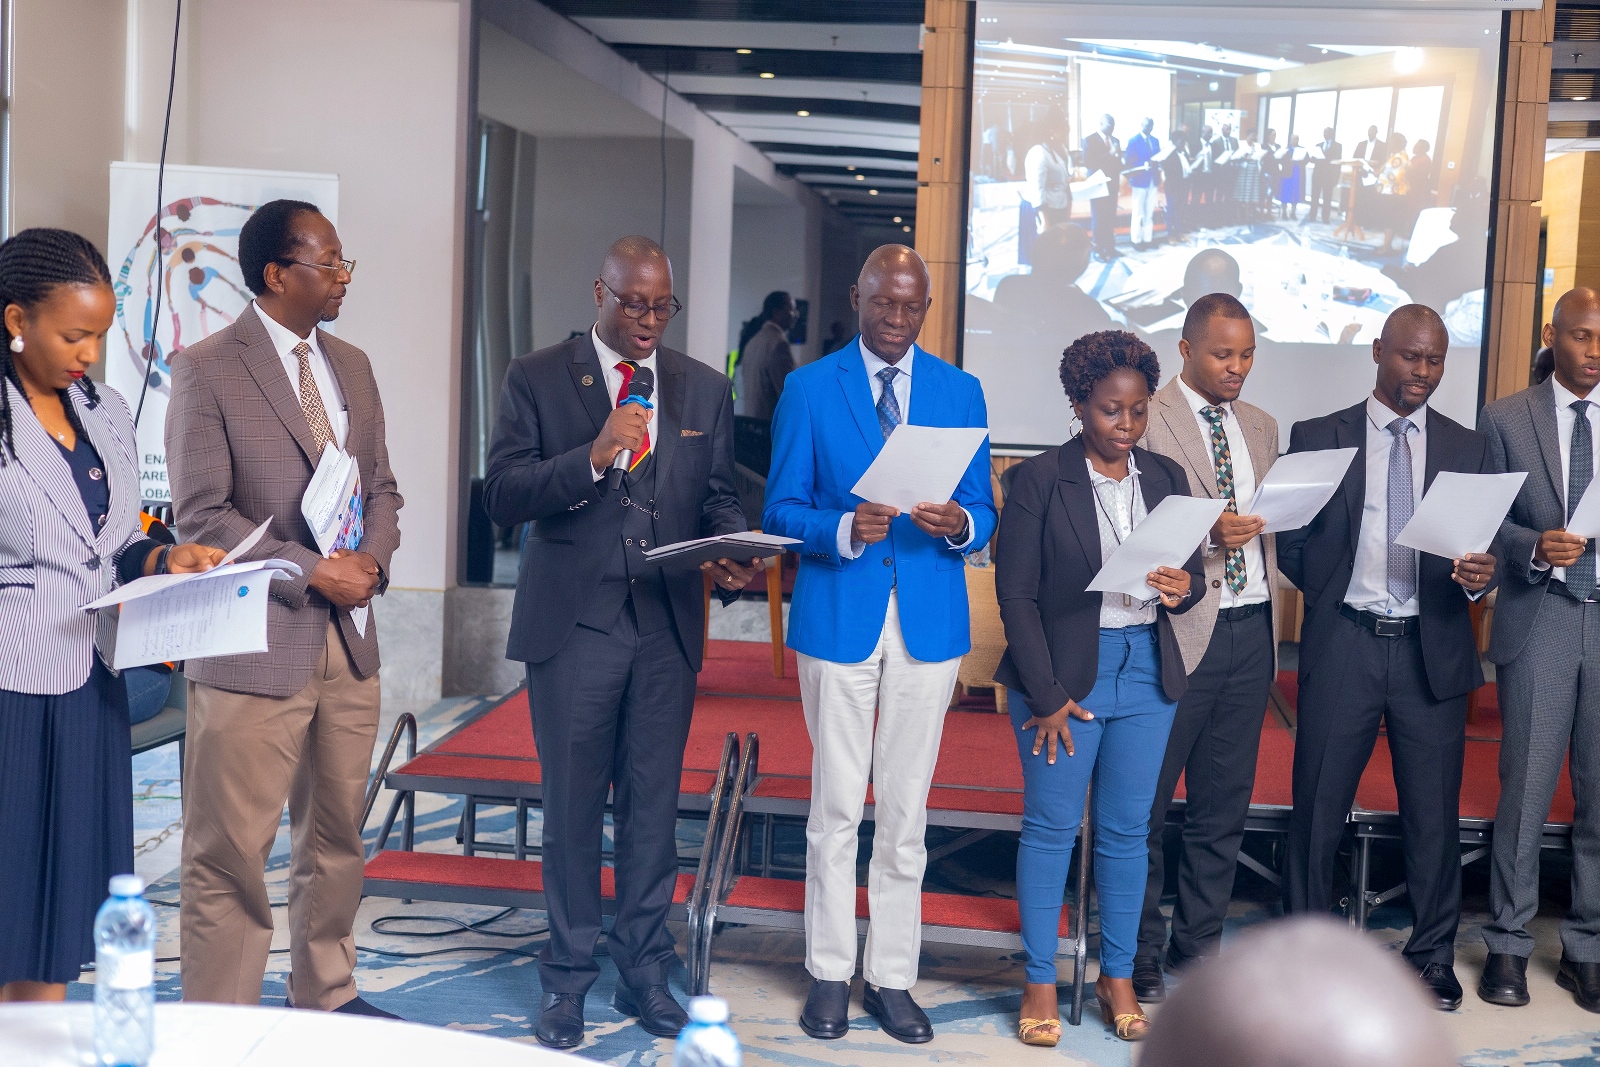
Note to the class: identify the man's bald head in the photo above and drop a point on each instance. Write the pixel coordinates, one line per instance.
(1573, 337)
(1211, 270)
(633, 297)
(1410, 357)
(891, 300)
(1308, 992)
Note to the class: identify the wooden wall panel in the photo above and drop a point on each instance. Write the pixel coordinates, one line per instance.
(942, 166)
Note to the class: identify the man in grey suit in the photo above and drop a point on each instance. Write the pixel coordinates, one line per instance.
(1226, 447)
(1546, 648)
(253, 406)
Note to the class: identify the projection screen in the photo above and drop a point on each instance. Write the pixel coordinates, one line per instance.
(1326, 166)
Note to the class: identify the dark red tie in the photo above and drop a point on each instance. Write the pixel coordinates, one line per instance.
(626, 368)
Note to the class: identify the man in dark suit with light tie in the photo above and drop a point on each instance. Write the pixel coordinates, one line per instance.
(1386, 638)
(1546, 646)
(1325, 175)
(1103, 152)
(612, 645)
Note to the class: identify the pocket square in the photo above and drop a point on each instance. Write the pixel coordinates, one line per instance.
(692, 433)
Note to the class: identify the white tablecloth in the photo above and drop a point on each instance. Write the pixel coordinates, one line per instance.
(208, 1035)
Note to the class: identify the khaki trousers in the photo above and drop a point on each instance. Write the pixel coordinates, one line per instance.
(247, 755)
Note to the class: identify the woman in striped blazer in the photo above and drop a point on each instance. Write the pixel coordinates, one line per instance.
(69, 531)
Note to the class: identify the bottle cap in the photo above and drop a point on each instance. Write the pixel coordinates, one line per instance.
(127, 885)
(709, 1010)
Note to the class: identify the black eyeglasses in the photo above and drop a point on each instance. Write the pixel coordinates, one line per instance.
(637, 309)
(348, 266)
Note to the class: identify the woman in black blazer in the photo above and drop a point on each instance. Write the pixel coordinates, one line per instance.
(1095, 676)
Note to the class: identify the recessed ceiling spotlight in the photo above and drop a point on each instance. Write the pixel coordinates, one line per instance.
(850, 166)
(768, 74)
(872, 192)
(905, 229)
(861, 177)
(897, 218)
(1213, 87)
(742, 51)
(803, 114)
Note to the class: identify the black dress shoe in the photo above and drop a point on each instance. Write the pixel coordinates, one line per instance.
(560, 1020)
(658, 1013)
(898, 1014)
(827, 1011)
(1440, 978)
(1505, 980)
(1149, 987)
(1582, 980)
(357, 1006)
(1177, 961)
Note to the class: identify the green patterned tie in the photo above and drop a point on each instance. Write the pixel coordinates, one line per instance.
(1233, 568)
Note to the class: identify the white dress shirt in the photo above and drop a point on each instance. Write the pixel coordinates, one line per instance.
(1369, 582)
(608, 367)
(849, 548)
(1566, 418)
(284, 340)
(1244, 491)
(1118, 509)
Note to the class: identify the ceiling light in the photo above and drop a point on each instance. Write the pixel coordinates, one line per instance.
(768, 74)
(1264, 78)
(1213, 86)
(1407, 60)
(742, 51)
(861, 177)
(850, 166)
(905, 229)
(897, 218)
(872, 192)
(803, 114)
(1580, 98)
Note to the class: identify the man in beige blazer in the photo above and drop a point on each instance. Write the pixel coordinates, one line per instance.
(1226, 447)
(252, 407)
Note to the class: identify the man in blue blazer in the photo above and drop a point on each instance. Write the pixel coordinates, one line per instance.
(879, 621)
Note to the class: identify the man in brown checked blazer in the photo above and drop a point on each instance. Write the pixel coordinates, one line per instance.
(1226, 447)
(253, 405)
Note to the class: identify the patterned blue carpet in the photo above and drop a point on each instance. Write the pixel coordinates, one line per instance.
(485, 980)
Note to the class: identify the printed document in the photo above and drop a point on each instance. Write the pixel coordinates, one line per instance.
(332, 507)
(1297, 487)
(220, 612)
(1167, 537)
(920, 465)
(1461, 513)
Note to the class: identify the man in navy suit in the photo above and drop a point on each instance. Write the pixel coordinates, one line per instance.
(879, 620)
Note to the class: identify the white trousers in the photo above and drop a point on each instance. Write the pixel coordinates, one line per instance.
(1142, 227)
(910, 698)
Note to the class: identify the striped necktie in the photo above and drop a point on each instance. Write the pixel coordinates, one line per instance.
(1233, 568)
(626, 368)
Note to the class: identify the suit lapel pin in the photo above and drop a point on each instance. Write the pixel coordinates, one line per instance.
(588, 379)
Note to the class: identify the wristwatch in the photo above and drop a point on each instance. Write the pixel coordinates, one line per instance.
(161, 559)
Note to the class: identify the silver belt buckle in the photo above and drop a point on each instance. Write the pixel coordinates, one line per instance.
(1389, 627)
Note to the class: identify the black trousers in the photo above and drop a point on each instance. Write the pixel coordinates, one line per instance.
(1360, 680)
(1216, 733)
(610, 709)
(1323, 194)
(1103, 220)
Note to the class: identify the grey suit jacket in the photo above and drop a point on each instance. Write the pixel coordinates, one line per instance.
(1173, 432)
(52, 562)
(239, 451)
(1523, 436)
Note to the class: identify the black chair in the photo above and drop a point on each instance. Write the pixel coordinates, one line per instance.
(752, 444)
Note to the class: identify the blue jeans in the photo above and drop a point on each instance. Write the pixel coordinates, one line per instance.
(1122, 748)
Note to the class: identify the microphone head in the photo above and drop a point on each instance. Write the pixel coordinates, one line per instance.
(643, 383)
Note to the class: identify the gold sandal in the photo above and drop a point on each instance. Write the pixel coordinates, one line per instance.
(1124, 1024)
(1042, 1032)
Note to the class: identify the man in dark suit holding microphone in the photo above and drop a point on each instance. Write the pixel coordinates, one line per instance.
(612, 645)
(1387, 638)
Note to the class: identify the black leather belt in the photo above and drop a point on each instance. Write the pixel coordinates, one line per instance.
(1382, 625)
(1559, 587)
(1239, 614)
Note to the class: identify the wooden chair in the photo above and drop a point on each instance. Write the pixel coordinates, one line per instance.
(988, 636)
(774, 568)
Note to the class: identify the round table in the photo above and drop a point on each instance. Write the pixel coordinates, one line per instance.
(214, 1035)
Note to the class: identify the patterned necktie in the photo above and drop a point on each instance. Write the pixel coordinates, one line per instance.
(1402, 560)
(1233, 568)
(626, 368)
(1581, 575)
(888, 403)
(311, 400)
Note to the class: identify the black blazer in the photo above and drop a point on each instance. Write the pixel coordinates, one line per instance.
(1049, 551)
(1320, 558)
(551, 410)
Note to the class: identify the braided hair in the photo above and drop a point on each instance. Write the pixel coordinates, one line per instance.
(33, 264)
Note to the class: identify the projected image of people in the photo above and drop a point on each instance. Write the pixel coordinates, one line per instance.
(1335, 181)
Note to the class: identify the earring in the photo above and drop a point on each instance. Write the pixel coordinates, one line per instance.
(16, 343)
(1074, 425)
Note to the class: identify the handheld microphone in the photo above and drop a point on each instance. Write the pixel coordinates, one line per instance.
(640, 389)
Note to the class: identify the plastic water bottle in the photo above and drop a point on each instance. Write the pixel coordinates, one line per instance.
(706, 1041)
(124, 976)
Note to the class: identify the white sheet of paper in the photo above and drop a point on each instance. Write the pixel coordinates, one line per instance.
(920, 465)
(214, 615)
(1461, 513)
(1585, 521)
(1167, 537)
(1095, 187)
(1297, 487)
